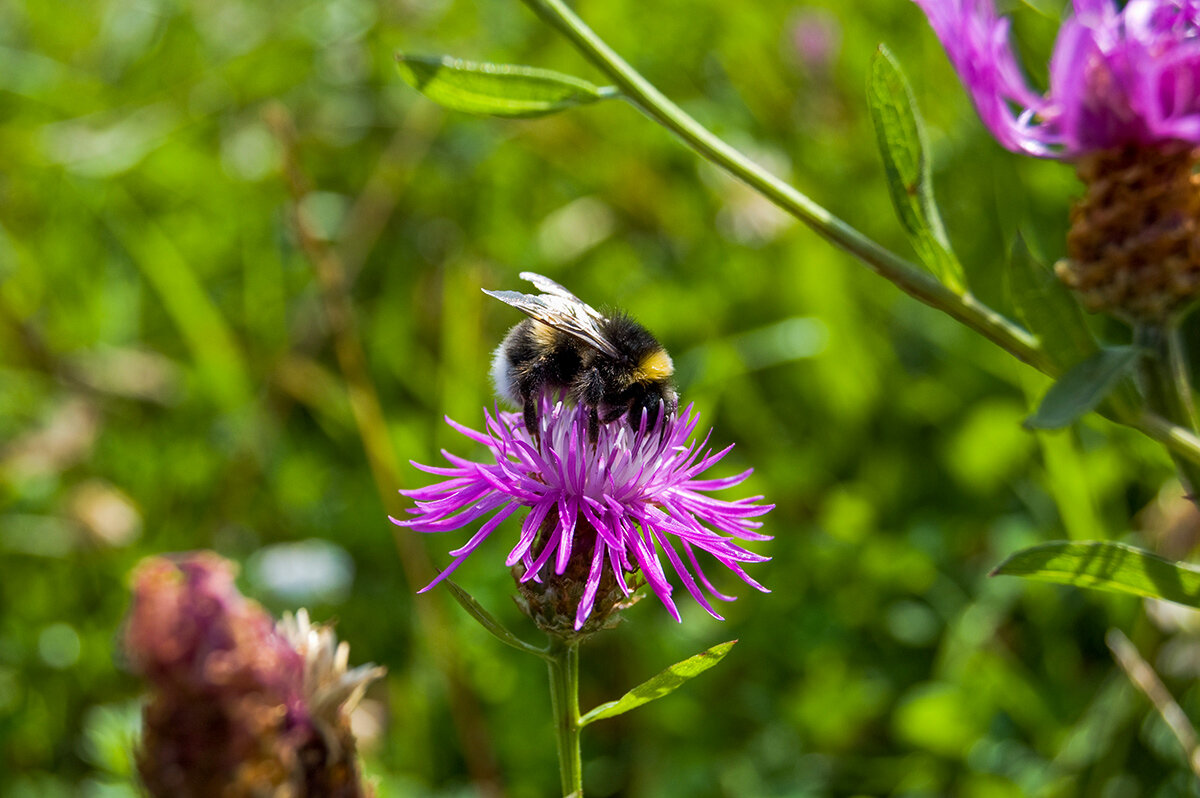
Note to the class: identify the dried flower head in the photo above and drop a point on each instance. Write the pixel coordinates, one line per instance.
(331, 688)
(233, 710)
(1134, 242)
(597, 512)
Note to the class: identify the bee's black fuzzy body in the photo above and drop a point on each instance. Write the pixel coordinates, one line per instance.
(609, 364)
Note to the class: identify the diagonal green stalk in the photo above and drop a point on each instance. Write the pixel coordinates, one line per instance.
(1176, 436)
(563, 663)
(1167, 385)
(1143, 676)
(1181, 378)
(904, 274)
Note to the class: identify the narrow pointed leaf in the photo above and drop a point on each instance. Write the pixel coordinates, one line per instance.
(496, 89)
(489, 622)
(662, 684)
(1115, 567)
(1083, 387)
(902, 143)
(1048, 309)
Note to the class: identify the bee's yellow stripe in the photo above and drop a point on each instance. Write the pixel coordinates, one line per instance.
(654, 367)
(545, 335)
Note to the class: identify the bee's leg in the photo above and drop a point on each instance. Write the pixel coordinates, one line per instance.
(632, 418)
(593, 424)
(589, 392)
(637, 404)
(529, 413)
(613, 413)
(531, 385)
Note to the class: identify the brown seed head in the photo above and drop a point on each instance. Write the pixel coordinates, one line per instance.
(1134, 243)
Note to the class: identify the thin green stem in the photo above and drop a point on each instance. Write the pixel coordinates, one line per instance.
(564, 701)
(1144, 677)
(1167, 386)
(1181, 377)
(1179, 439)
(904, 274)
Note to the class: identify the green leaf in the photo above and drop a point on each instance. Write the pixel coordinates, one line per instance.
(1083, 387)
(1048, 309)
(902, 143)
(496, 89)
(489, 622)
(662, 684)
(1115, 567)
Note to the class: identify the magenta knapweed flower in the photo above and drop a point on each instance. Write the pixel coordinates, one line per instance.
(1117, 77)
(636, 488)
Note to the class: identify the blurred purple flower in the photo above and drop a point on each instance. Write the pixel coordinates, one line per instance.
(238, 705)
(636, 488)
(1117, 77)
(816, 37)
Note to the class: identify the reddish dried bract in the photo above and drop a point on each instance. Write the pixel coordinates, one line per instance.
(228, 714)
(1134, 243)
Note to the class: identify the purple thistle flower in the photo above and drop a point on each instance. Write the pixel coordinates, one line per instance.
(239, 705)
(1117, 77)
(636, 488)
(816, 38)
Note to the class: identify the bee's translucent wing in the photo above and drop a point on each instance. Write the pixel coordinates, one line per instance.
(565, 313)
(545, 284)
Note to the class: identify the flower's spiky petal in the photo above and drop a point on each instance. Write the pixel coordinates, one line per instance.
(592, 586)
(484, 531)
(598, 511)
(687, 547)
(1117, 77)
(529, 530)
(664, 543)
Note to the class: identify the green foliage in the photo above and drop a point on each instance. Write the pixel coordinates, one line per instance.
(1106, 565)
(1083, 387)
(488, 621)
(661, 685)
(168, 382)
(496, 89)
(1048, 309)
(902, 143)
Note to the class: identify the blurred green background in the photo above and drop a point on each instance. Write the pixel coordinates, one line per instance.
(168, 381)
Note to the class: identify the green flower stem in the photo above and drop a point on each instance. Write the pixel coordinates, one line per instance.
(904, 274)
(1178, 440)
(564, 702)
(1167, 386)
(1181, 377)
(965, 308)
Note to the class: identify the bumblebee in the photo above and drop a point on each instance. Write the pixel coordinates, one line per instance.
(609, 364)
